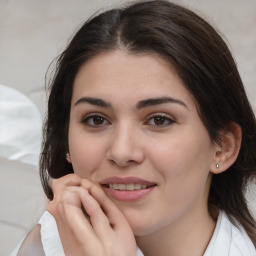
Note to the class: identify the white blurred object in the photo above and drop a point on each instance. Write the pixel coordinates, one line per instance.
(251, 198)
(20, 129)
(22, 199)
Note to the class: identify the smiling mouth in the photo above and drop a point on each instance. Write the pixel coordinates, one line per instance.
(128, 187)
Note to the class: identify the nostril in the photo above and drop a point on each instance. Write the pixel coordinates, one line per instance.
(122, 163)
(132, 162)
(125, 155)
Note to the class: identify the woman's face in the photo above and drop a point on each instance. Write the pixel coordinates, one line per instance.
(134, 129)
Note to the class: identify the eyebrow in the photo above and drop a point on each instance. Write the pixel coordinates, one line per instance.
(141, 104)
(158, 101)
(93, 101)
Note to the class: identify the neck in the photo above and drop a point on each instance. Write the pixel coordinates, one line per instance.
(190, 235)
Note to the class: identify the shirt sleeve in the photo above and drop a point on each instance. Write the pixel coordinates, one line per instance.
(50, 236)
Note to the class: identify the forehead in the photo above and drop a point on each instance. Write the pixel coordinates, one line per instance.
(129, 76)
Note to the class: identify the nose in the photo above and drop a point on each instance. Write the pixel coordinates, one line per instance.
(124, 148)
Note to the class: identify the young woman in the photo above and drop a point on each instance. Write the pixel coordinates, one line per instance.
(148, 115)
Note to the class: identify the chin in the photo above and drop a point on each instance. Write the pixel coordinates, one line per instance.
(139, 223)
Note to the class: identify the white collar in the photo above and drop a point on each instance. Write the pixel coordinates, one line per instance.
(227, 239)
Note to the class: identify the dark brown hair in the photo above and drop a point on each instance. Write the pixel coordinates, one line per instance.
(202, 60)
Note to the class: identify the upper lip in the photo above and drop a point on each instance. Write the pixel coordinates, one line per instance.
(126, 180)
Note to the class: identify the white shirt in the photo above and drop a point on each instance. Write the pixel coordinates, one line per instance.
(227, 239)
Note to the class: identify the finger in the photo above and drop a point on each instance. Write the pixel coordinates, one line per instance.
(118, 227)
(71, 200)
(74, 218)
(58, 186)
(68, 239)
(72, 242)
(66, 235)
(98, 218)
(67, 180)
(115, 216)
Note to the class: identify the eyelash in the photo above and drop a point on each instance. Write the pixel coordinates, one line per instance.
(154, 117)
(164, 118)
(87, 118)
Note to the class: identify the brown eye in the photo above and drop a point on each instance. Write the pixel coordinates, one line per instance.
(95, 121)
(98, 120)
(160, 120)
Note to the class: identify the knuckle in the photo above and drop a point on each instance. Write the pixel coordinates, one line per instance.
(86, 184)
(58, 185)
(67, 195)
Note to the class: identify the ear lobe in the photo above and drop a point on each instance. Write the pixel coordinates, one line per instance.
(68, 157)
(228, 149)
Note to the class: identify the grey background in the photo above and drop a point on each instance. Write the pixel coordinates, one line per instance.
(34, 32)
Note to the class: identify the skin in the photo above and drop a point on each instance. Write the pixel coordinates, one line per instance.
(165, 143)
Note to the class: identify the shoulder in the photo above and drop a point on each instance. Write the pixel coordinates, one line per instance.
(240, 243)
(229, 239)
(32, 244)
(43, 239)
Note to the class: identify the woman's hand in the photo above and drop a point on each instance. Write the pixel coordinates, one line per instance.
(89, 223)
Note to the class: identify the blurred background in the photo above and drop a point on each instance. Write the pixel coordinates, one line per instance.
(32, 34)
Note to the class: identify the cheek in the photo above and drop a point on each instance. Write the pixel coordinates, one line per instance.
(183, 161)
(183, 167)
(87, 154)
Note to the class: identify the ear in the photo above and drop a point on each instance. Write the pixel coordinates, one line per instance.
(68, 157)
(227, 150)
